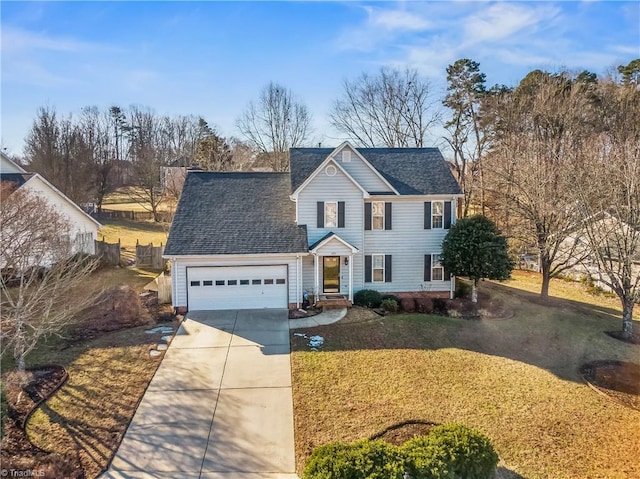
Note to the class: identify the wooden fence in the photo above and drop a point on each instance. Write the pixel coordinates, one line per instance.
(161, 284)
(150, 256)
(110, 252)
(163, 216)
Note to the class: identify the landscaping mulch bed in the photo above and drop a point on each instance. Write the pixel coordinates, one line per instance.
(17, 451)
(618, 380)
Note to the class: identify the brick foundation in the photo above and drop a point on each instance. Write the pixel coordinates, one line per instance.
(422, 294)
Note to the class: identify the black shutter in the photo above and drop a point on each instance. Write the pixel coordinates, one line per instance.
(367, 269)
(447, 215)
(447, 274)
(427, 267)
(340, 214)
(320, 214)
(387, 268)
(427, 215)
(387, 215)
(367, 216)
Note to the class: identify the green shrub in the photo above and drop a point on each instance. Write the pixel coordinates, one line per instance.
(369, 298)
(364, 459)
(389, 305)
(391, 296)
(463, 289)
(452, 451)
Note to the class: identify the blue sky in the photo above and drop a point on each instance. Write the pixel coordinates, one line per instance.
(212, 58)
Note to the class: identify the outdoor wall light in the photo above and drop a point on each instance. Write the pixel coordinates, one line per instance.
(346, 261)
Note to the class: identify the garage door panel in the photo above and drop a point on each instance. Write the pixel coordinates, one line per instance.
(237, 287)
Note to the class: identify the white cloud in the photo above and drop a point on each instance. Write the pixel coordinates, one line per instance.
(503, 21)
(16, 40)
(396, 20)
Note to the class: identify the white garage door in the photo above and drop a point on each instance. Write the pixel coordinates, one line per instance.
(237, 287)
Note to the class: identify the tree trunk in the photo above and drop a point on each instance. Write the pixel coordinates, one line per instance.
(627, 318)
(545, 267)
(474, 291)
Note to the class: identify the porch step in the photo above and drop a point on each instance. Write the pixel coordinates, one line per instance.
(334, 303)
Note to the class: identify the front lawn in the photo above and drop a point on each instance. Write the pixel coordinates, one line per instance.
(516, 380)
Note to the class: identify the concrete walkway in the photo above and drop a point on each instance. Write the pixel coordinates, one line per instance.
(328, 316)
(219, 406)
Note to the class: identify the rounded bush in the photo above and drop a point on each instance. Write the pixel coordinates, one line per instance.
(364, 459)
(369, 298)
(452, 451)
(424, 305)
(389, 305)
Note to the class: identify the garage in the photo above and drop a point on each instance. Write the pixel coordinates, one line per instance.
(237, 287)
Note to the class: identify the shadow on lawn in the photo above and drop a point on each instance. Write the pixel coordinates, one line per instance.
(559, 335)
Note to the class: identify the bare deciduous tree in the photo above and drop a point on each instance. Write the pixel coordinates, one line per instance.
(275, 123)
(391, 108)
(539, 126)
(40, 274)
(607, 186)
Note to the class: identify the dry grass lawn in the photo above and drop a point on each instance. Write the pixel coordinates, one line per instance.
(515, 380)
(123, 200)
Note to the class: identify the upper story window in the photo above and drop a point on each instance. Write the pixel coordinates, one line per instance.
(330, 214)
(437, 214)
(378, 215)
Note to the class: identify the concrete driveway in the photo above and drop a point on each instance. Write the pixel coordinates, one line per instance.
(220, 404)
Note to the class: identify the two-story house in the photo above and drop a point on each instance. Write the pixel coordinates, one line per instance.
(342, 220)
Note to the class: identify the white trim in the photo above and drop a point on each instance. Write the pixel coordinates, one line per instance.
(334, 236)
(234, 256)
(359, 155)
(425, 197)
(441, 227)
(316, 172)
(61, 195)
(438, 267)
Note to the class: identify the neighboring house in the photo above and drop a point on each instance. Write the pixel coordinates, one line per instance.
(613, 233)
(342, 220)
(83, 229)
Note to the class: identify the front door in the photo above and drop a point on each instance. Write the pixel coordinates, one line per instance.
(331, 274)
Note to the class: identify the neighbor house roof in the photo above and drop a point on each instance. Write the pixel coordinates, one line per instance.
(411, 171)
(235, 213)
(17, 179)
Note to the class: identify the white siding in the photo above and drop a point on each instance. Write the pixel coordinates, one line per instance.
(8, 166)
(333, 188)
(79, 222)
(361, 172)
(179, 272)
(407, 242)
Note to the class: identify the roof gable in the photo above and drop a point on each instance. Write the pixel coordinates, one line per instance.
(329, 160)
(330, 238)
(9, 166)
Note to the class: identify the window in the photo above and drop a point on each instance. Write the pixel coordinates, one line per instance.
(232, 282)
(244, 282)
(378, 268)
(195, 283)
(219, 282)
(280, 281)
(256, 281)
(378, 215)
(437, 271)
(437, 214)
(330, 214)
(268, 281)
(207, 283)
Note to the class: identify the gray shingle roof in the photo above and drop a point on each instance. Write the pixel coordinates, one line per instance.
(411, 171)
(18, 179)
(235, 213)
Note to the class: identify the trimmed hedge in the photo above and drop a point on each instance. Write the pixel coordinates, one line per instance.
(451, 451)
(369, 298)
(363, 459)
(389, 305)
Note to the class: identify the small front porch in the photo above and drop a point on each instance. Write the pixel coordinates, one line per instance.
(333, 271)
